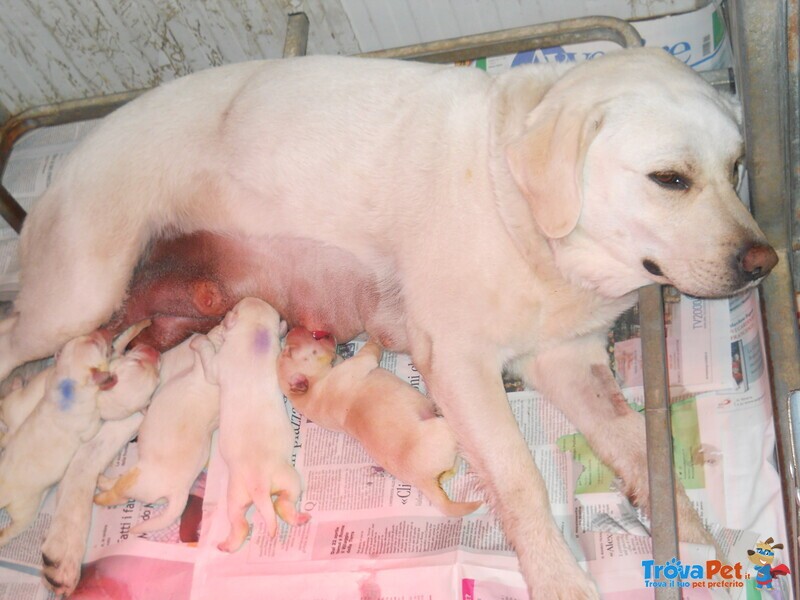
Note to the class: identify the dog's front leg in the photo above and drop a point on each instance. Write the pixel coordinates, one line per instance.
(576, 378)
(62, 551)
(469, 391)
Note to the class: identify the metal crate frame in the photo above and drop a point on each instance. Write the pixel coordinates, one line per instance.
(769, 86)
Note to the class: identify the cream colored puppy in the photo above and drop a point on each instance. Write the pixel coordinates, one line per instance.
(174, 440)
(65, 544)
(136, 373)
(255, 437)
(396, 424)
(39, 451)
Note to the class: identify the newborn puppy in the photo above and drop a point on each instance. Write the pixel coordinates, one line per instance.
(137, 377)
(397, 425)
(174, 440)
(39, 451)
(20, 402)
(65, 544)
(255, 437)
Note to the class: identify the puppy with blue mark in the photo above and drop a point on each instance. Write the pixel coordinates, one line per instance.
(38, 452)
(137, 377)
(255, 436)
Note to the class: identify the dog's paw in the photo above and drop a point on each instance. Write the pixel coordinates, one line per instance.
(61, 568)
(576, 586)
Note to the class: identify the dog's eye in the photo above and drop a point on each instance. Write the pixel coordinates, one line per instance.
(670, 180)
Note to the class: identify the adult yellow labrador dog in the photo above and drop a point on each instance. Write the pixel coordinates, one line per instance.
(479, 221)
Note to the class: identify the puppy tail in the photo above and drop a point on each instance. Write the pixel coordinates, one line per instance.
(439, 499)
(173, 511)
(437, 448)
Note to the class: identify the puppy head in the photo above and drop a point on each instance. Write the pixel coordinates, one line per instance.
(629, 166)
(304, 360)
(137, 376)
(84, 361)
(252, 311)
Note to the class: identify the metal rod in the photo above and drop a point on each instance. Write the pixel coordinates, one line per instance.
(663, 509)
(569, 31)
(10, 209)
(296, 35)
(765, 46)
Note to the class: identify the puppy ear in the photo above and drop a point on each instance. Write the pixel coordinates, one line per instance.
(778, 546)
(230, 320)
(298, 383)
(547, 164)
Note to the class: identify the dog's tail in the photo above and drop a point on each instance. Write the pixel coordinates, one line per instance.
(438, 449)
(174, 509)
(433, 491)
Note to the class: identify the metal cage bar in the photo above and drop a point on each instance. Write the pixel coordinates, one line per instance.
(766, 60)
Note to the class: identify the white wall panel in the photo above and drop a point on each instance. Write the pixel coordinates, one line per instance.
(55, 50)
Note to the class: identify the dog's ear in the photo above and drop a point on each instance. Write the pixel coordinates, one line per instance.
(547, 161)
(230, 319)
(298, 383)
(778, 546)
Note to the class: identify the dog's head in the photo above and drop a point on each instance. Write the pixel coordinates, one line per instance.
(82, 363)
(137, 375)
(305, 359)
(629, 166)
(764, 554)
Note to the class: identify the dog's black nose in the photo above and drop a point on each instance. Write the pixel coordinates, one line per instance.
(757, 260)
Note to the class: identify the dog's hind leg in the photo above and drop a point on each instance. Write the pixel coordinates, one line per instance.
(73, 276)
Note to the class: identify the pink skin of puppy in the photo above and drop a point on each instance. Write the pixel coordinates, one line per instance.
(174, 439)
(396, 424)
(255, 436)
(37, 454)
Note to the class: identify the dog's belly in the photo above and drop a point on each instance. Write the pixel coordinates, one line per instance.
(187, 283)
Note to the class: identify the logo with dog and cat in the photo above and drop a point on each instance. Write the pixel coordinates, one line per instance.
(757, 576)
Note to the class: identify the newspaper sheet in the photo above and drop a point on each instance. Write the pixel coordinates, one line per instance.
(373, 537)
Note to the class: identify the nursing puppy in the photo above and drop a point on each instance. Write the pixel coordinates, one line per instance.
(472, 220)
(37, 454)
(255, 437)
(174, 440)
(136, 374)
(397, 425)
(65, 544)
